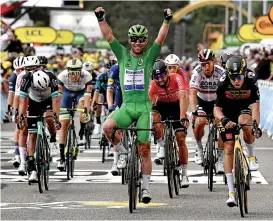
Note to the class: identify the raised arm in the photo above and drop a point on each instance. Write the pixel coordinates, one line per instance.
(104, 27)
(163, 32)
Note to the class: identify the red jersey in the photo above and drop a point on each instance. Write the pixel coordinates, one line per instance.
(170, 93)
(186, 77)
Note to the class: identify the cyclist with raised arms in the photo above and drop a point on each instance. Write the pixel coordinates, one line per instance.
(237, 102)
(135, 74)
(168, 90)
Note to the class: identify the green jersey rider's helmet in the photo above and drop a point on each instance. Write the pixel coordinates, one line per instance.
(138, 31)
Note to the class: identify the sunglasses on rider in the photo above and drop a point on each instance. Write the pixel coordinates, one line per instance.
(74, 73)
(170, 67)
(204, 64)
(138, 39)
(236, 77)
(159, 76)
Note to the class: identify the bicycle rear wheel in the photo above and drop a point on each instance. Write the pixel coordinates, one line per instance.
(211, 162)
(73, 153)
(40, 162)
(47, 165)
(239, 176)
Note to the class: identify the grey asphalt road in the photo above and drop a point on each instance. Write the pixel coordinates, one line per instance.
(93, 194)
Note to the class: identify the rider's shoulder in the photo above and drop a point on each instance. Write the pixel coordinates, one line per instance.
(218, 69)
(197, 69)
(223, 81)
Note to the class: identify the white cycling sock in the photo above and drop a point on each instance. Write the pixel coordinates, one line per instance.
(250, 148)
(22, 151)
(230, 182)
(115, 158)
(121, 148)
(146, 181)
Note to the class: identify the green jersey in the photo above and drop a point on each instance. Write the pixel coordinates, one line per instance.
(135, 72)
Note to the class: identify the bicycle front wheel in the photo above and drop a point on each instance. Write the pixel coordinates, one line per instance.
(169, 169)
(40, 162)
(211, 159)
(47, 164)
(68, 152)
(132, 177)
(239, 176)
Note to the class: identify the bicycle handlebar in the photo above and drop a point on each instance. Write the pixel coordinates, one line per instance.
(72, 109)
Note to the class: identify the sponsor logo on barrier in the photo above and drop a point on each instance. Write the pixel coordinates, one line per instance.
(64, 37)
(264, 25)
(44, 35)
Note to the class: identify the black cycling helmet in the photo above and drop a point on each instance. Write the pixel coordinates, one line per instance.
(159, 67)
(206, 55)
(43, 60)
(236, 65)
(224, 58)
(111, 63)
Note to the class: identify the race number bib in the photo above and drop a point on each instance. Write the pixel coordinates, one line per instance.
(134, 80)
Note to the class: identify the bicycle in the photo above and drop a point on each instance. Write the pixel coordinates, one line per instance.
(171, 165)
(134, 160)
(210, 155)
(242, 175)
(71, 140)
(42, 153)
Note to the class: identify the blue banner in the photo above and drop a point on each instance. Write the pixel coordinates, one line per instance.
(266, 106)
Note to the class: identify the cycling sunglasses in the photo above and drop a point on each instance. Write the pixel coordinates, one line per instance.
(159, 76)
(138, 39)
(170, 67)
(74, 73)
(236, 76)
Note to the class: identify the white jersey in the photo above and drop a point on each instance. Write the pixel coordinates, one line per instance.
(206, 87)
(18, 83)
(77, 86)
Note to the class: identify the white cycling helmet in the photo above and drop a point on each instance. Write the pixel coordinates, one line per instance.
(172, 59)
(18, 62)
(31, 61)
(40, 80)
(88, 66)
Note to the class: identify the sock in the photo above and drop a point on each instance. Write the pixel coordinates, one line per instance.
(81, 132)
(16, 148)
(184, 169)
(220, 155)
(199, 145)
(53, 138)
(98, 120)
(31, 163)
(22, 151)
(146, 181)
(115, 158)
(230, 182)
(250, 148)
(62, 151)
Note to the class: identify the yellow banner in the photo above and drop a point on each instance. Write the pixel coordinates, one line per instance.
(249, 33)
(270, 14)
(264, 25)
(64, 37)
(45, 35)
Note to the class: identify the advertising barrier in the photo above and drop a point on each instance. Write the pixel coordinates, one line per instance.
(266, 107)
(45, 35)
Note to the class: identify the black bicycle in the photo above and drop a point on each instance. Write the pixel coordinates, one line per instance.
(171, 165)
(71, 140)
(133, 165)
(210, 153)
(42, 153)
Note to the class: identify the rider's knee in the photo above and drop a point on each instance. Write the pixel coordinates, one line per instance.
(108, 126)
(229, 147)
(180, 138)
(144, 149)
(156, 116)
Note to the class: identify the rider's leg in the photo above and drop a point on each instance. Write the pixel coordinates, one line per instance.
(16, 162)
(97, 127)
(52, 131)
(249, 139)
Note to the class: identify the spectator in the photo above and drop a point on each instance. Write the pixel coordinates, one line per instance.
(264, 68)
(15, 45)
